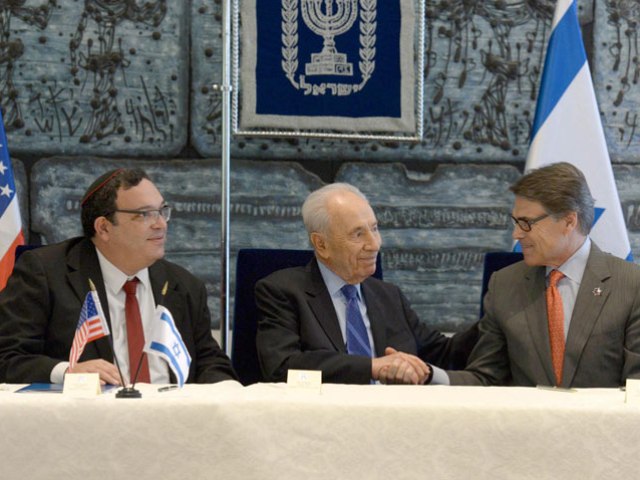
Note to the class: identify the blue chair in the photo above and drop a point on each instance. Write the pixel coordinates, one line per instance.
(494, 261)
(20, 249)
(252, 265)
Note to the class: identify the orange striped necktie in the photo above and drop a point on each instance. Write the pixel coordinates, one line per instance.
(555, 315)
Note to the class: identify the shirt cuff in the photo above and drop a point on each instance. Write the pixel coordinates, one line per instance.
(57, 374)
(440, 377)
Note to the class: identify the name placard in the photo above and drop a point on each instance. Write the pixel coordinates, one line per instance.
(632, 391)
(310, 380)
(81, 385)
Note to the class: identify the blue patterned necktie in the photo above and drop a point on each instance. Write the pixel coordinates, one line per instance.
(357, 337)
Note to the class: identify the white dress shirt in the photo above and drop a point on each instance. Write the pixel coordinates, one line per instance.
(334, 283)
(114, 280)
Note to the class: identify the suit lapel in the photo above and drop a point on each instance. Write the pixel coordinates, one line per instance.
(536, 315)
(322, 307)
(586, 311)
(376, 312)
(82, 264)
(158, 278)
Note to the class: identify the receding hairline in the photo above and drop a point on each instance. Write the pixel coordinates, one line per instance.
(316, 207)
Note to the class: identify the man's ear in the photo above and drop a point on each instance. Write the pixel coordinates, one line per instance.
(571, 221)
(102, 227)
(319, 243)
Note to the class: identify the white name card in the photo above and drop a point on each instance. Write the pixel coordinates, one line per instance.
(81, 385)
(632, 391)
(310, 380)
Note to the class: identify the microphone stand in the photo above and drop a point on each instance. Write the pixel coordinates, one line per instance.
(125, 392)
(129, 392)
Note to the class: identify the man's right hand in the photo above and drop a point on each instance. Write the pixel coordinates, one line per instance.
(399, 368)
(107, 371)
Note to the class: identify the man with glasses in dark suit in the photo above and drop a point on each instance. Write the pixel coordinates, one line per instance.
(124, 220)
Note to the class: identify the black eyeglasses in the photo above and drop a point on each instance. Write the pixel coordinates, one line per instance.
(150, 216)
(526, 224)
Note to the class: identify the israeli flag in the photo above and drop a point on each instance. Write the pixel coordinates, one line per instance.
(567, 127)
(165, 341)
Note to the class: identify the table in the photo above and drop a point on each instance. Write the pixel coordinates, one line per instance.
(270, 431)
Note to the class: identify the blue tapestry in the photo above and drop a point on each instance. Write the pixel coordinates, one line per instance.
(328, 64)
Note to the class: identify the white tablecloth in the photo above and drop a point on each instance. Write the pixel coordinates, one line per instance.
(269, 431)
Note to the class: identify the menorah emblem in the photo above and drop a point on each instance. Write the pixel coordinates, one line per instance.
(320, 17)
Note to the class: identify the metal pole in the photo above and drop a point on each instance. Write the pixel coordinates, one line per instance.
(225, 159)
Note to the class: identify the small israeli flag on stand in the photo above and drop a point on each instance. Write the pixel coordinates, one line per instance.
(567, 127)
(165, 341)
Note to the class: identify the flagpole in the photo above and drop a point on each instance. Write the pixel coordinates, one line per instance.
(225, 159)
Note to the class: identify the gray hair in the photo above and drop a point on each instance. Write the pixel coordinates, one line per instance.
(314, 209)
(560, 188)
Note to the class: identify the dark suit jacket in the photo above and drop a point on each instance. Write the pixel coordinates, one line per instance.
(299, 328)
(603, 343)
(40, 307)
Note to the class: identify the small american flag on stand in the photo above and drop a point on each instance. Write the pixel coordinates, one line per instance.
(92, 325)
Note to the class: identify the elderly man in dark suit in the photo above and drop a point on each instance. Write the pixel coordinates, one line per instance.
(569, 314)
(311, 321)
(124, 218)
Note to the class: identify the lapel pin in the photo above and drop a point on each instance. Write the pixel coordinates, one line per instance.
(597, 292)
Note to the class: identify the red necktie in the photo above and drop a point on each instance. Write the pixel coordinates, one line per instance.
(135, 334)
(555, 314)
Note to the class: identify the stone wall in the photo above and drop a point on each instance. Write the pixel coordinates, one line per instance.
(87, 87)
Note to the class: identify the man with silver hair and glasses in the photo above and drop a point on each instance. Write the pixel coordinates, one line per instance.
(569, 314)
(124, 219)
(333, 316)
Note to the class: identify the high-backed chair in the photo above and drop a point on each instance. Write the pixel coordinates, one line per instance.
(252, 265)
(20, 249)
(494, 261)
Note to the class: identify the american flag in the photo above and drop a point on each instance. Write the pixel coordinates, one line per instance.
(92, 325)
(10, 222)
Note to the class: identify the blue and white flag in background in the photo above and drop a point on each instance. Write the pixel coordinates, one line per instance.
(567, 127)
(165, 341)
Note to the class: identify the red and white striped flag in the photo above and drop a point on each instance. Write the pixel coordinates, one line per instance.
(92, 325)
(10, 223)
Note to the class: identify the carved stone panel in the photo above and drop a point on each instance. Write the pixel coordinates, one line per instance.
(627, 180)
(616, 75)
(435, 230)
(104, 78)
(206, 68)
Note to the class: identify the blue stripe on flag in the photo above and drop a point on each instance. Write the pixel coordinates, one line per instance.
(169, 354)
(172, 326)
(597, 214)
(564, 60)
